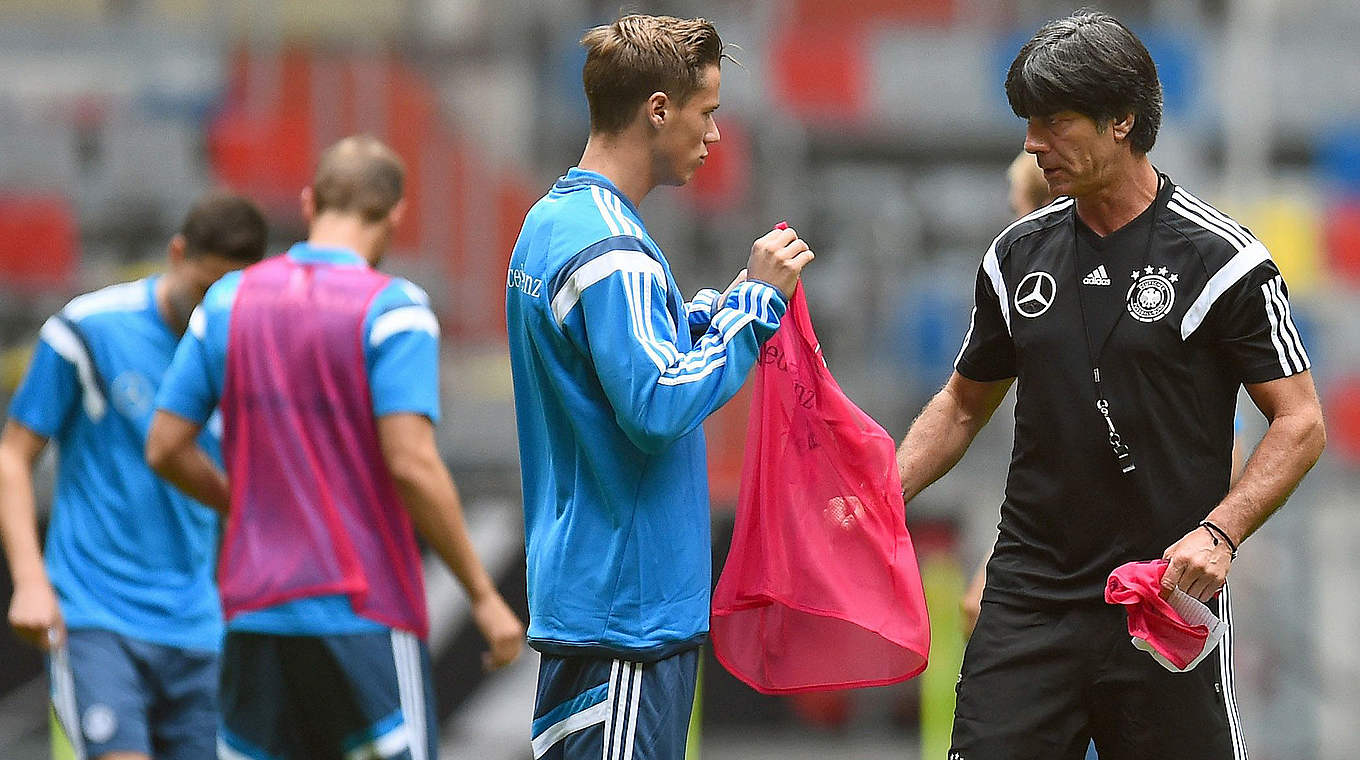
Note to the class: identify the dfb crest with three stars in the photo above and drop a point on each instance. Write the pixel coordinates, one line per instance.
(1152, 294)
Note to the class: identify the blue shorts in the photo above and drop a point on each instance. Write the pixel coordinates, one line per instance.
(112, 693)
(350, 695)
(613, 709)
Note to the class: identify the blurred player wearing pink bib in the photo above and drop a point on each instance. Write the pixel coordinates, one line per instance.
(326, 371)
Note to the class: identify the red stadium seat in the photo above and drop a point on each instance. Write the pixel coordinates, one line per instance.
(1343, 239)
(262, 144)
(38, 241)
(1343, 419)
(818, 14)
(462, 210)
(820, 73)
(724, 180)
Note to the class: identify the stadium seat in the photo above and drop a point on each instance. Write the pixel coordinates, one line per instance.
(1176, 56)
(821, 73)
(38, 241)
(818, 14)
(926, 332)
(1343, 419)
(725, 178)
(261, 143)
(1337, 156)
(1292, 230)
(1342, 234)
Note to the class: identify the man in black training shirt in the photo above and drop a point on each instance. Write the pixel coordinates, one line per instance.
(1130, 312)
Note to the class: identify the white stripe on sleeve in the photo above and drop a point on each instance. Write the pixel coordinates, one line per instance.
(1289, 335)
(198, 324)
(626, 224)
(992, 267)
(966, 337)
(1275, 337)
(68, 346)
(1291, 330)
(1191, 201)
(634, 284)
(125, 296)
(403, 319)
(665, 346)
(1237, 267)
(597, 269)
(1218, 228)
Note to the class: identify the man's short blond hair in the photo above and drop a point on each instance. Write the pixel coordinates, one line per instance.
(637, 55)
(359, 175)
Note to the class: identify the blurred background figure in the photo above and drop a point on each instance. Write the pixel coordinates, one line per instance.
(124, 595)
(1026, 188)
(881, 127)
(326, 373)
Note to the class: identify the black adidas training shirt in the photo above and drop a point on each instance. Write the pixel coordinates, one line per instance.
(1185, 316)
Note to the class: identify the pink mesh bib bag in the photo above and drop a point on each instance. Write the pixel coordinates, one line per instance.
(821, 588)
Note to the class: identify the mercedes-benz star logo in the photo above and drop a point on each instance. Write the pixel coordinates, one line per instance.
(1035, 294)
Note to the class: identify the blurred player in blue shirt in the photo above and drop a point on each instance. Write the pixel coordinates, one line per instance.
(614, 373)
(126, 581)
(327, 375)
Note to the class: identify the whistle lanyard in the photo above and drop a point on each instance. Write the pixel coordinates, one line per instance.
(1123, 455)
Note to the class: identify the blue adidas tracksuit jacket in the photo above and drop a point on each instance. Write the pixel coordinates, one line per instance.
(613, 374)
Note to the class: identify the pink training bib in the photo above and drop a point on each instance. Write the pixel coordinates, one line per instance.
(1178, 632)
(821, 589)
(313, 508)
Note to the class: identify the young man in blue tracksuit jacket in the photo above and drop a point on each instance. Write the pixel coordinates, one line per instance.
(614, 373)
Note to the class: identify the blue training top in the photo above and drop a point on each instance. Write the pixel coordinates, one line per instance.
(126, 552)
(401, 354)
(613, 375)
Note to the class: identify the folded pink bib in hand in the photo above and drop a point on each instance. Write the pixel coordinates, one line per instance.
(1179, 632)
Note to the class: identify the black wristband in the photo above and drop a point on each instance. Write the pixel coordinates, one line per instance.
(1217, 533)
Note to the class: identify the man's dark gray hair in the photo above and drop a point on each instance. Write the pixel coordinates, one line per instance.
(227, 225)
(1090, 63)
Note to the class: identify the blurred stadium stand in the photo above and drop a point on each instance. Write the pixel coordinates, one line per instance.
(879, 128)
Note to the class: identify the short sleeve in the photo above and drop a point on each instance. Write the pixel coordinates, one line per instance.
(49, 393)
(188, 389)
(1252, 327)
(988, 353)
(402, 350)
